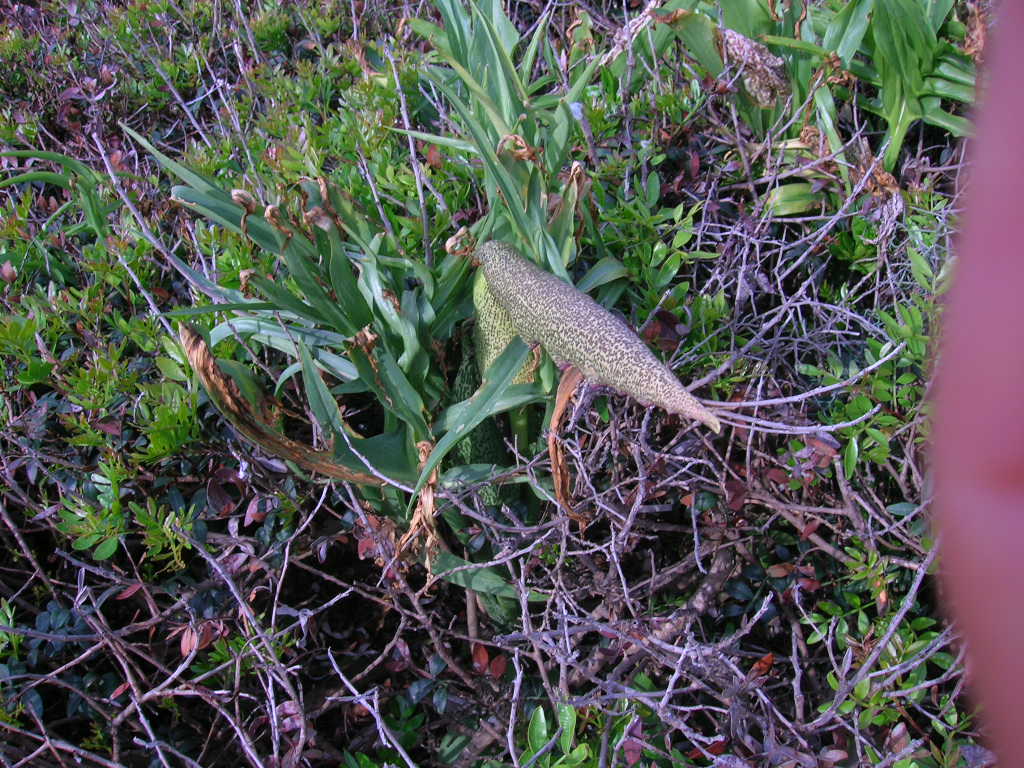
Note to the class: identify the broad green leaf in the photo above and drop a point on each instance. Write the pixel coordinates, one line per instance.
(515, 396)
(825, 108)
(457, 29)
(938, 10)
(576, 758)
(567, 720)
(952, 66)
(170, 369)
(270, 332)
(483, 579)
(862, 688)
(699, 36)
(228, 214)
(791, 199)
(530, 55)
(902, 508)
(846, 31)
(537, 731)
(790, 43)
(387, 381)
(386, 454)
(303, 273)
(504, 76)
(482, 404)
(947, 89)
(106, 549)
(850, 455)
(199, 182)
(493, 13)
(513, 201)
(286, 301)
(604, 271)
(84, 542)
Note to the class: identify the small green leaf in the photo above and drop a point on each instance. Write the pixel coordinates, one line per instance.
(567, 721)
(479, 578)
(170, 369)
(84, 542)
(791, 199)
(850, 454)
(106, 548)
(901, 509)
(537, 732)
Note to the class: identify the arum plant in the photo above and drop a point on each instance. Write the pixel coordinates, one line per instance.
(520, 128)
(346, 305)
(894, 46)
(784, 57)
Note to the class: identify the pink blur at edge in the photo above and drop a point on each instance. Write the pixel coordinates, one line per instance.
(978, 450)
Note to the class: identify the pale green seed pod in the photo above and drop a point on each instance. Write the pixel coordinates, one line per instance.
(573, 328)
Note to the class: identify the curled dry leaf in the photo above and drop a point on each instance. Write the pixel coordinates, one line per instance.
(255, 423)
(570, 380)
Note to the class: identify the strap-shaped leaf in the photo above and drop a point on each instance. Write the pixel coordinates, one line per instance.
(306, 274)
(199, 182)
(343, 281)
(514, 396)
(385, 379)
(286, 300)
(479, 578)
(69, 164)
(385, 455)
(229, 214)
(481, 405)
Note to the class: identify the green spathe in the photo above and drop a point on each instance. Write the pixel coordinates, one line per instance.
(573, 328)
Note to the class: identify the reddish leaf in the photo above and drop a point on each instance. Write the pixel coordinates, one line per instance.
(8, 272)
(498, 666)
(737, 494)
(235, 562)
(255, 510)
(120, 690)
(664, 330)
(633, 750)
(218, 499)
(763, 665)
(780, 570)
(187, 642)
(365, 547)
(434, 156)
(111, 427)
(481, 659)
(714, 748)
(809, 585)
(128, 591)
(633, 747)
(810, 528)
(400, 658)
